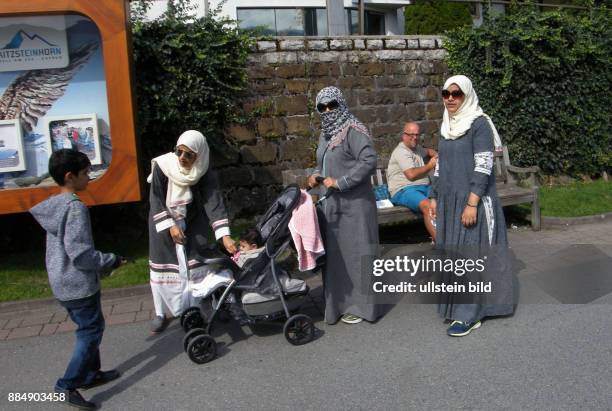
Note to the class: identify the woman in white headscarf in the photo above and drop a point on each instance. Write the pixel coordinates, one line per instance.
(468, 214)
(346, 159)
(185, 200)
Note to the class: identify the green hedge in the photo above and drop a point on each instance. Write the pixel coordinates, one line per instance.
(189, 74)
(435, 17)
(544, 78)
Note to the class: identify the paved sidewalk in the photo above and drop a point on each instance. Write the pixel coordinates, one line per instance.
(52, 318)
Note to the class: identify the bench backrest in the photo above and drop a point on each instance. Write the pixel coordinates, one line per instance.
(499, 165)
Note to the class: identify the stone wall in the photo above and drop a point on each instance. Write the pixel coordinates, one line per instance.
(387, 81)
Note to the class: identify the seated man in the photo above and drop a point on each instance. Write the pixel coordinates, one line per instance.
(407, 174)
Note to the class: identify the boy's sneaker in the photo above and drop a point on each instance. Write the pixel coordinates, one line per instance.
(460, 329)
(351, 319)
(159, 324)
(101, 378)
(75, 399)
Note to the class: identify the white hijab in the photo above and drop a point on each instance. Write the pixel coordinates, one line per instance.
(458, 124)
(181, 179)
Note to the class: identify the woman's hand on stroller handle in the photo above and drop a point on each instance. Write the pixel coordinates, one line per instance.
(316, 179)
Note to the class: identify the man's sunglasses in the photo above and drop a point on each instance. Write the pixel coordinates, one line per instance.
(455, 93)
(189, 155)
(332, 105)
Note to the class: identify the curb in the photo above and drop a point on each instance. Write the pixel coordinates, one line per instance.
(37, 304)
(589, 219)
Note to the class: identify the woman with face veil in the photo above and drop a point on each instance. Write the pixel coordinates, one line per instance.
(185, 202)
(346, 159)
(470, 220)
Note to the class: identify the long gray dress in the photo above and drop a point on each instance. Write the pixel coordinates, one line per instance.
(350, 227)
(463, 168)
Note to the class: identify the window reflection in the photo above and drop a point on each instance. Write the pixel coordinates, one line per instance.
(257, 19)
(308, 21)
(289, 22)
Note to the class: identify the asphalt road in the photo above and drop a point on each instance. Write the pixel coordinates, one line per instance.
(548, 356)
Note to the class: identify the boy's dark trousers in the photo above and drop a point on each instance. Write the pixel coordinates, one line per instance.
(85, 363)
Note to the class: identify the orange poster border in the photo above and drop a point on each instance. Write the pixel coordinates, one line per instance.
(121, 182)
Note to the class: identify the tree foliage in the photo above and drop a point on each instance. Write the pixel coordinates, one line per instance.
(435, 17)
(189, 73)
(544, 78)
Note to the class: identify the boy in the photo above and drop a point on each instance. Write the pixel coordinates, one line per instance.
(74, 268)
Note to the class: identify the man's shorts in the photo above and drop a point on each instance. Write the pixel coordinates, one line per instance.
(411, 197)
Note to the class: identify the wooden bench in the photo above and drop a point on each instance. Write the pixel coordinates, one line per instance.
(509, 192)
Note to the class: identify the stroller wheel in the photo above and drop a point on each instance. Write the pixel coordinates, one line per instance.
(190, 336)
(299, 329)
(192, 319)
(186, 312)
(202, 349)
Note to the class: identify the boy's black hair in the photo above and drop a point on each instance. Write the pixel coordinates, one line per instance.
(64, 161)
(252, 236)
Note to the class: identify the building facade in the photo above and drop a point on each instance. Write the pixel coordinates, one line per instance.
(303, 17)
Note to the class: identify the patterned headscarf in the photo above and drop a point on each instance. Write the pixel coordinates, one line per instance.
(335, 124)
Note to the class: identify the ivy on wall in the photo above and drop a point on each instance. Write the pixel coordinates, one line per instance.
(544, 78)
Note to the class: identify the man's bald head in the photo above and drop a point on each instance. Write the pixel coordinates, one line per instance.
(410, 135)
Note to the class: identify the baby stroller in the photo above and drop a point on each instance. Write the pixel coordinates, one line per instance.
(259, 291)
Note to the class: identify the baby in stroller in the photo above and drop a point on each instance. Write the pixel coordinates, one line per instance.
(258, 290)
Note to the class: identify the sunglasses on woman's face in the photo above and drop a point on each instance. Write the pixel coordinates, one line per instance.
(332, 105)
(455, 93)
(189, 155)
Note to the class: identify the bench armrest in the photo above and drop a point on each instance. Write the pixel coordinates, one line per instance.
(515, 169)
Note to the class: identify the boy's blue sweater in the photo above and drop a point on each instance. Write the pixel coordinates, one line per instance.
(73, 264)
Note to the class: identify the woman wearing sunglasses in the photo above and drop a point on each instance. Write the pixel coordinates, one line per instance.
(468, 214)
(346, 159)
(185, 201)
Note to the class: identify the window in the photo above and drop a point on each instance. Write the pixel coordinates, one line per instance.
(374, 22)
(285, 21)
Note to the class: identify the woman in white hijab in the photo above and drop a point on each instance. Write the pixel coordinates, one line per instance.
(465, 206)
(185, 200)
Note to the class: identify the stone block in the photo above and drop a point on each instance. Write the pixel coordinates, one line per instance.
(298, 125)
(249, 201)
(241, 134)
(371, 69)
(359, 57)
(297, 86)
(396, 68)
(412, 54)
(388, 54)
(318, 69)
(366, 115)
(437, 80)
(262, 152)
(429, 126)
(387, 130)
(395, 44)
(268, 175)
(235, 176)
(281, 57)
(271, 127)
(359, 44)
(440, 43)
(266, 45)
(437, 54)
(366, 83)
(325, 56)
(434, 111)
(406, 96)
(259, 107)
(260, 72)
(374, 44)
(292, 105)
(340, 44)
(431, 93)
(416, 80)
(267, 87)
(349, 69)
(291, 45)
(334, 70)
(379, 97)
(427, 43)
(295, 150)
(290, 71)
(415, 111)
(36, 320)
(224, 158)
(48, 329)
(412, 43)
(317, 45)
